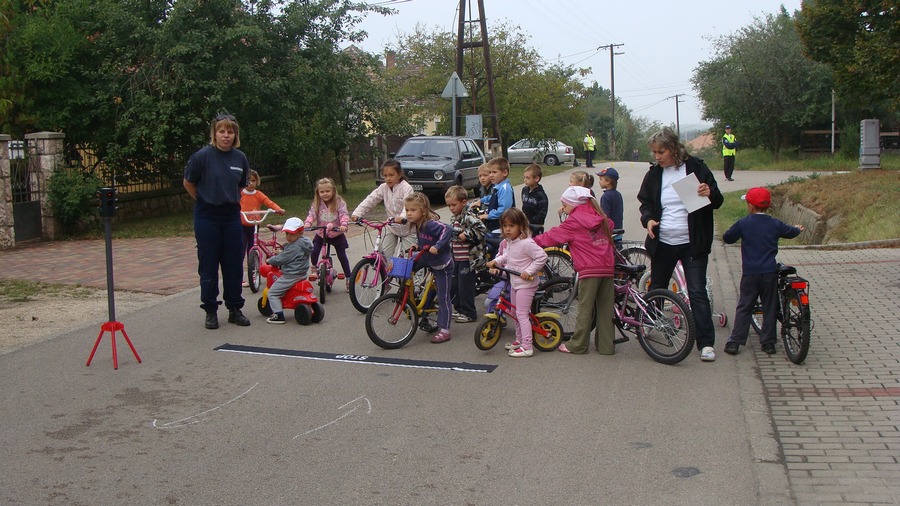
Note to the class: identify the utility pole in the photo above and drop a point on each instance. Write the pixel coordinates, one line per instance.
(612, 90)
(677, 121)
(462, 45)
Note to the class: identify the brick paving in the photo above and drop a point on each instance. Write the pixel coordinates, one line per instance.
(837, 416)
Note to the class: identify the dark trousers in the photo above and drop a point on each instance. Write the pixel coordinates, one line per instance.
(219, 243)
(340, 246)
(756, 286)
(589, 158)
(462, 288)
(662, 265)
(729, 166)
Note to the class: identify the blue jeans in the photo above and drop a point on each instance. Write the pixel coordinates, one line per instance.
(218, 231)
(662, 265)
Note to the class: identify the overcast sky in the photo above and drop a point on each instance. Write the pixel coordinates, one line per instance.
(663, 42)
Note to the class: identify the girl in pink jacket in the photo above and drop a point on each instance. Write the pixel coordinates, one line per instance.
(523, 255)
(329, 208)
(589, 234)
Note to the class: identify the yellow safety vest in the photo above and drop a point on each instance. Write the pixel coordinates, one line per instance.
(725, 150)
(589, 143)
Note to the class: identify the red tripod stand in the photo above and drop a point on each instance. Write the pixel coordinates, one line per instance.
(107, 210)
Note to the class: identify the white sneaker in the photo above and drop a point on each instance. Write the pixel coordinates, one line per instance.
(708, 354)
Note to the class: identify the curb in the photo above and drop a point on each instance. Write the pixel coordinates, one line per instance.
(883, 243)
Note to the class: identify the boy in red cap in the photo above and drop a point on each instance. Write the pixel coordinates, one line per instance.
(759, 234)
(294, 264)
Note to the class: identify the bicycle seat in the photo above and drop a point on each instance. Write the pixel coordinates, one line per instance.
(786, 270)
(632, 270)
(618, 231)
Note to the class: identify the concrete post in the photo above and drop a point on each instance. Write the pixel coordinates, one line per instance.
(7, 231)
(48, 154)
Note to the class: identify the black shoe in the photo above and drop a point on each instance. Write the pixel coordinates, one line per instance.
(769, 348)
(427, 326)
(236, 317)
(728, 178)
(212, 321)
(732, 348)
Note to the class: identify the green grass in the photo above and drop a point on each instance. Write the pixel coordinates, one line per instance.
(758, 159)
(866, 202)
(359, 186)
(23, 291)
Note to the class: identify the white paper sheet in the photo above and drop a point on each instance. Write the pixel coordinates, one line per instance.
(686, 189)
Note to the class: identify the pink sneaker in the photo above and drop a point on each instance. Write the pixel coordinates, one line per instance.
(442, 336)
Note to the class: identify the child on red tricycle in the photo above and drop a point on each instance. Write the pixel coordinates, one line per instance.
(286, 280)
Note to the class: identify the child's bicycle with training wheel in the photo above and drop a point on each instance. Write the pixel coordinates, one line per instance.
(546, 330)
(393, 318)
(369, 278)
(262, 249)
(793, 313)
(325, 271)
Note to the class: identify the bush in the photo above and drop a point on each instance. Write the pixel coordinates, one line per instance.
(73, 197)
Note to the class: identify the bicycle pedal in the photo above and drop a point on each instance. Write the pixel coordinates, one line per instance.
(341, 276)
(620, 340)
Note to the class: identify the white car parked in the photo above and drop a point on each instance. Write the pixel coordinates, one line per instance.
(548, 151)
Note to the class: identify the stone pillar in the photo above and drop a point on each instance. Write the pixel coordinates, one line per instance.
(47, 153)
(7, 232)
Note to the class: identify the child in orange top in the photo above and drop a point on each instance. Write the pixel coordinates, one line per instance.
(253, 200)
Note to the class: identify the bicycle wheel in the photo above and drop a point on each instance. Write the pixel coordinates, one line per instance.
(559, 262)
(368, 284)
(323, 282)
(391, 323)
(561, 297)
(636, 255)
(667, 327)
(756, 319)
(488, 333)
(554, 335)
(795, 327)
(254, 259)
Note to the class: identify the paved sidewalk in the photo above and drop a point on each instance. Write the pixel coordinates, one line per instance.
(837, 416)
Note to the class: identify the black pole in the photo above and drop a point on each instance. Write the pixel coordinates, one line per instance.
(107, 211)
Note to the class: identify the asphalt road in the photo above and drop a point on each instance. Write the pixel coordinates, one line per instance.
(191, 425)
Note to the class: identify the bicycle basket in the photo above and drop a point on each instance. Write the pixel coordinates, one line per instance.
(401, 268)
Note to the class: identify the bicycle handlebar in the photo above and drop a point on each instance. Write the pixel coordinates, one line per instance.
(378, 225)
(264, 214)
(510, 271)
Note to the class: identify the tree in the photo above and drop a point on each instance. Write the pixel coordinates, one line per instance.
(858, 40)
(761, 81)
(534, 99)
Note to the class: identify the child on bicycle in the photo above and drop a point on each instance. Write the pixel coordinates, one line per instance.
(392, 192)
(588, 233)
(501, 197)
(759, 234)
(522, 254)
(252, 200)
(467, 244)
(579, 178)
(485, 186)
(329, 208)
(436, 235)
(294, 264)
(611, 201)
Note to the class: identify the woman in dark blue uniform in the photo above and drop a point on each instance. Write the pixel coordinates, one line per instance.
(214, 177)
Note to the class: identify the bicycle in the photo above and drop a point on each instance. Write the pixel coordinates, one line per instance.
(325, 270)
(546, 330)
(793, 313)
(393, 318)
(370, 275)
(660, 319)
(262, 249)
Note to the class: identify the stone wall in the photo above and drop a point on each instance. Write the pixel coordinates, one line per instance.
(7, 232)
(817, 227)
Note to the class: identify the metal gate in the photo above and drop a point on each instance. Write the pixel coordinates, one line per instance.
(26, 193)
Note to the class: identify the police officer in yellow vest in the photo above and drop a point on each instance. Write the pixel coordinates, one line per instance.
(590, 145)
(729, 148)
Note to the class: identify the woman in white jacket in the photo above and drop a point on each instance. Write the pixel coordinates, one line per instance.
(392, 192)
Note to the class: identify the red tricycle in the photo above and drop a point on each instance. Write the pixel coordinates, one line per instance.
(301, 298)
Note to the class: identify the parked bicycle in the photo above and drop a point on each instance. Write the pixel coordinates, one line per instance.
(793, 313)
(546, 330)
(393, 318)
(262, 249)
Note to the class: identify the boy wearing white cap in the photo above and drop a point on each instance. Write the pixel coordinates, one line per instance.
(294, 264)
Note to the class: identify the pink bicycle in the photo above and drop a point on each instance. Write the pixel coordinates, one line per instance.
(370, 277)
(325, 270)
(262, 249)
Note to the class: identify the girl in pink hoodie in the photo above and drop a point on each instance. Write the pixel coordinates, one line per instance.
(523, 255)
(589, 234)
